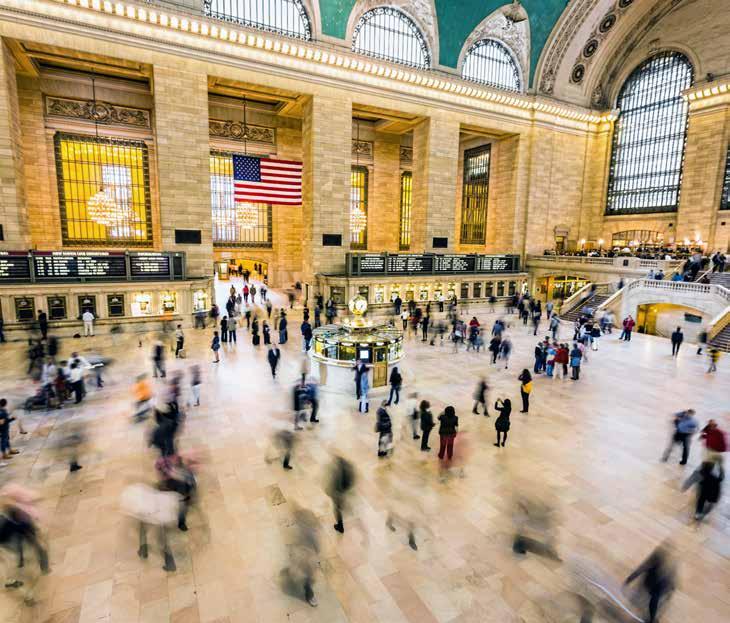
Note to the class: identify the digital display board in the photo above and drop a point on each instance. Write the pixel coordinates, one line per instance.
(84, 266)
(360, 264)
(14, 266)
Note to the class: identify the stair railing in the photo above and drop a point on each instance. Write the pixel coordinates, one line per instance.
(718, 323)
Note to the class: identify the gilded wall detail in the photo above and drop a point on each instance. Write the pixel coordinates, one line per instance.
(96, 111)
(236, 131)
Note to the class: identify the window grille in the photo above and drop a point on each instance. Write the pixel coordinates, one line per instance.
(650, 136)
(489, 62)
(229, 230)
(283, 17)
(85, 165)
(725, 200)
(475, 195)
(389, 34)
(406, 204)
(358, 207)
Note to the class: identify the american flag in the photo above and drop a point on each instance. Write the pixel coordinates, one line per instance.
(265, 180)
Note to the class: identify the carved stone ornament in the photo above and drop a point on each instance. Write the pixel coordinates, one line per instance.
(516, 36)
(362, 149)
(236, 131)
(102, 113)
(406, 155)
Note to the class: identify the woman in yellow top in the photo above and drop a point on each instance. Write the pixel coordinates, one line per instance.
(525, 388)
(142, 392)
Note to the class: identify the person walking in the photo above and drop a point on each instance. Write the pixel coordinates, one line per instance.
(628, 327)
(360, 368)
(708, 476)
(405, 314)
(525, 389)
(397, 303)
(232, 326)
(427, 423)
(5, 419)
(255, 337)
(685, 425)
(224, 329)
(384, 428)
(273, 357)
(88, 318)
(425, 322)
(179, 340)
(158, 359)
(549, 310)
(283, 336)
(713, 354)
(447, 432)
(575, 358)
(715, 442)
(505, 350)
(306, 330)
(195, 383)
(396, 380)
(480, 397)
(411, 409)
(245, 293)
(341, 482)
(502, 423)
(554, 326)
(43, 324)
(659, 580)
(215, 346)
(677, 339)
(266, 332)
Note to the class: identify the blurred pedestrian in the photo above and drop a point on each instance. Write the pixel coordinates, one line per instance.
(411, 409)
(179, 340)
(384, 428)
(215, 346)
(480, 397)
(142, 392)
(303, 553)
(396, 380)
(273, 357)
(684, 426)
(232, 328)
(158, 359)
(341, 482)
(195, 383)
(502, 423)
(449, 423)
(708, 477)
(659, 579)
(427, 423)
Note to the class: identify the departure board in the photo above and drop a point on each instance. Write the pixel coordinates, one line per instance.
(149, 265)
(14, 266)
(85, 266)
(430, 264)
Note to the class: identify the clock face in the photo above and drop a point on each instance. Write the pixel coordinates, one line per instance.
(358, 305)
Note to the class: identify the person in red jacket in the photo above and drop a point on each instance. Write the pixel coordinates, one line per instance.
(628, 328)
(715, 441)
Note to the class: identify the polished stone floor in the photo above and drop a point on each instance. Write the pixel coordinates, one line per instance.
(588, 449)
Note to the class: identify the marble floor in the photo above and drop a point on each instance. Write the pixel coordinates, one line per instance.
(589, 449)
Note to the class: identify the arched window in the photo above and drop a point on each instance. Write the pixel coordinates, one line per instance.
(649, 137)
(387, 33)
(284, 17)
(489, 62)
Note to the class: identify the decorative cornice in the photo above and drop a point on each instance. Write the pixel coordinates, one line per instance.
(102, 113)
(362, 150)
(406, 155)
(237, 131)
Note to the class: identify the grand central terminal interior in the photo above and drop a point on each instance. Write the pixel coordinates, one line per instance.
(253, 251)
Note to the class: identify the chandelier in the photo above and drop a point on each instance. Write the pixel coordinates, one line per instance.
(358, 219)
(247, 215)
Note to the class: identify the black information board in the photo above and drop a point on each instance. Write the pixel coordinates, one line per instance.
(84, 266)
(149, 266)
(361, 264)
(14, 266)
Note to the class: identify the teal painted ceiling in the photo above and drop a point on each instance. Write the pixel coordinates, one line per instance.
(457, 18)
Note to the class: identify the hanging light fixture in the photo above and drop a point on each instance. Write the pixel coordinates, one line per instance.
(358, 218)
(247, 214)
(102, 207)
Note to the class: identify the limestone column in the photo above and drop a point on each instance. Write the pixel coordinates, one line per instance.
(435, 163)
(326, 141)
(183, 161)
(13, 212)
(384, 209)
(704, 165)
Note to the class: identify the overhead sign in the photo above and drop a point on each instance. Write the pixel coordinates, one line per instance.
(365, 264)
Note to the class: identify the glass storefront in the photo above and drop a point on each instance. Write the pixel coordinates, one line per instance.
(142, 304)
(168, 302)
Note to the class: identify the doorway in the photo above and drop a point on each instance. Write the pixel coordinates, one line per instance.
(234, 267)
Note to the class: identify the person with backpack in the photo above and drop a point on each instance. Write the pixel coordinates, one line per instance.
(396, 380)
(525, 388)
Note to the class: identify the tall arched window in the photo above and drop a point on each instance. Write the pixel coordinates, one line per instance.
(649, 137)
(284, 17)
(489, 62)
(387, 33)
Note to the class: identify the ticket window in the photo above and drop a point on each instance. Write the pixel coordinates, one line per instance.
(222, 270)
(57, 308)
(394, 292)
(24, 309)
(200, 301)
(489, 291)
(410, 292)
(337, 294)
(380, 294)
(464, 291)
(451, 291)
(478, 290)
(115, 305)
(364, 292)
(500, 288)
(168, 303)
(438, 292)
(87, 303)
(512, 288)
(423, 293)
(142, 304)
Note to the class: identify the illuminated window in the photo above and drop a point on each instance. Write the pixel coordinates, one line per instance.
(389, 34)
(235, 224)
(489, 62)
(359, 208)
(283, 17)
(725, 200)
(650, 136)
(474, 196)
(406, 203)
(87, 165)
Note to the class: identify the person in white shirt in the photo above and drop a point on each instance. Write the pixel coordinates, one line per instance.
(76, 379)
(88, 319)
